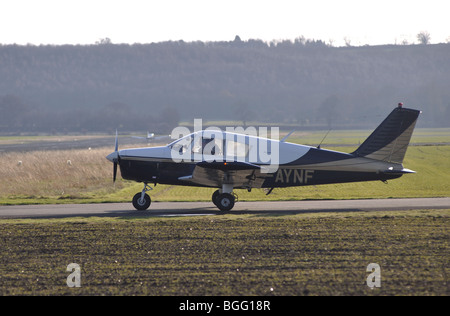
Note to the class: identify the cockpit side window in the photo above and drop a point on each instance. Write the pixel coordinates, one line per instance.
(213, 146)
(208, 145)
(237, 148)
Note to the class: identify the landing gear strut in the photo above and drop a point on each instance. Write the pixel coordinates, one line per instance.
(142, 201)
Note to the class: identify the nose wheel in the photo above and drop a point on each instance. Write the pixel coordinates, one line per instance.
(142, 201)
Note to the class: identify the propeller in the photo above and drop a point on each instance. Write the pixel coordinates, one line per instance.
(114, 157)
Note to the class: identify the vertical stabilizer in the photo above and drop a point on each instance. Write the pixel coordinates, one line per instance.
(391, 139)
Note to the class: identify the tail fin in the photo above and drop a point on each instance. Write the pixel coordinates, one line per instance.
(390, 140)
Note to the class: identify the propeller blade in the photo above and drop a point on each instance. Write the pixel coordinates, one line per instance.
(116, 147)
(115, 172)
(114, 157)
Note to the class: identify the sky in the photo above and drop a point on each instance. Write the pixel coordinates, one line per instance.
(360, 22)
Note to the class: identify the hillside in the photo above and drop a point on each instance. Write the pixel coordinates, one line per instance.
(153, 86)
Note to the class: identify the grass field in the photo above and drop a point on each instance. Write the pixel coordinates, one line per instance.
(305, 254)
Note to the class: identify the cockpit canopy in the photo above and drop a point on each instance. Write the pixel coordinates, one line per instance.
(214, 143)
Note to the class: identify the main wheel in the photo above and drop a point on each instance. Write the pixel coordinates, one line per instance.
(214, 197)
(225, 201)
(141, 204)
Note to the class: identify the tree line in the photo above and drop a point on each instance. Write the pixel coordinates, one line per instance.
(98, 88)
(19, 117)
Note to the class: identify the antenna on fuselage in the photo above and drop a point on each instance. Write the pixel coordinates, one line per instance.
(318, 147)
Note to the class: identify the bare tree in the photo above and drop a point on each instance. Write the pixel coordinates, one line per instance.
(348, 42)
(424, 37)
(104, 41)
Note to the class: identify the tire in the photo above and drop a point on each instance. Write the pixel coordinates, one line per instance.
(141, 205)
(225, 202)
(214, 197)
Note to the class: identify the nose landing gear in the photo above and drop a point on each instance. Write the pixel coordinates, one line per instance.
(142, 201)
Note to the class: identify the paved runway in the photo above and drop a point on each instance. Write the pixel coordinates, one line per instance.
(206, 208)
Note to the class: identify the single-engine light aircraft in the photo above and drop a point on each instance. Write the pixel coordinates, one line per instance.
(228, 161)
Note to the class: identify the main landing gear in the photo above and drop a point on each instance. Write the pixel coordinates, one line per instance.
(142, 201)
(224, 199)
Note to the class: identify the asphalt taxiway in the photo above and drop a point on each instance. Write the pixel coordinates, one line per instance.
(207, 208)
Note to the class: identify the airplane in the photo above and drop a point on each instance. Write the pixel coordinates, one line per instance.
(152, 137)
(149, 136)
(226, 161)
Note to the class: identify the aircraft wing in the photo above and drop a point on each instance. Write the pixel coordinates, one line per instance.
(239, 174)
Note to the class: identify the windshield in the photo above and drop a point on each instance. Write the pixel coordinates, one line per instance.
(183, 144)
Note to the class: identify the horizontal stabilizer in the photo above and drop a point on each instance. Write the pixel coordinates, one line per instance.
(402, 171)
